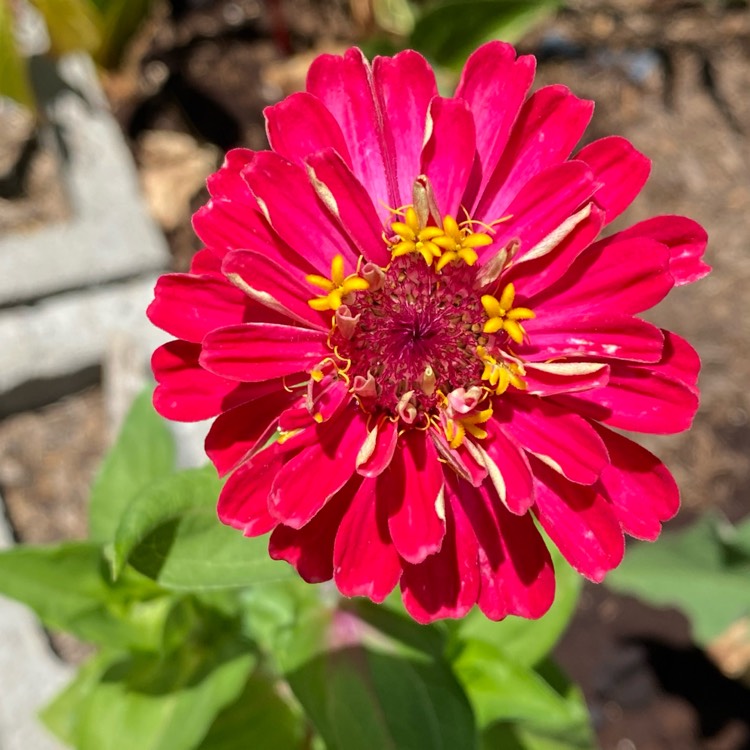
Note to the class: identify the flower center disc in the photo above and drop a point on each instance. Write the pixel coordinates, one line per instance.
(417, 333)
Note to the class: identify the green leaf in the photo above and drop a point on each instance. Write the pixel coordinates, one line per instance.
(144, 451)
(69, 588)
(527, 642)
(171, 534)
(364, 691)
(503, 690)
(14, 77)
(72, 24)
(448, 32)
(259, 718)
(151, 703)
(703, 570)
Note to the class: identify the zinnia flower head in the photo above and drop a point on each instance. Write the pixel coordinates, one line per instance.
(408, 292)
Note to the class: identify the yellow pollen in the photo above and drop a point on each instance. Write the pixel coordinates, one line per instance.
(501, 374)
(457, 427)
(502, 316)
(337, 287)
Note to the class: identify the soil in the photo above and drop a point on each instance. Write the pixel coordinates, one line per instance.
(671, 76)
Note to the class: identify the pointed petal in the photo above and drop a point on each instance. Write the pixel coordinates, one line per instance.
(446, 584)
(561, 439)
(349, 203)
(559, 334)
(580, 522)
(540, 207)
(296, 213)
(621, 170)
(188, 393)
(448, 153)
(548, 126)
(300, 125)
(243, 502)
(412, 487)
(282, 289)
(627, 276)
(553, 378)
(310, 548)
(254, 352)
(640, 488)
(365, 562)
(378, 449)
(686, 240)
(494, 84)
(318, 472)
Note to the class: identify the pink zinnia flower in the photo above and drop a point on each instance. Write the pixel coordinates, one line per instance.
(408, 291)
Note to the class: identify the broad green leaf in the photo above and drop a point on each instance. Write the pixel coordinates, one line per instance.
(527, 642)
(171, 534)
(260, 718)
(62, 714)
(502, 690)
(153, 703)
(701, 570)
(69, 588)
(362, 691)
(14, 78)
(448, 32)
(144, 451)
(72, 24)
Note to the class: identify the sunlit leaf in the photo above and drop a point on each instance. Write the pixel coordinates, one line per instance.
(14, 78)
(72, 24)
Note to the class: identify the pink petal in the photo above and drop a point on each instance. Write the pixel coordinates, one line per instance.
(515, 568)
(310, 548)
(412, 487)
(558, 334)
(226, 183)
(686, 240)
(508, 457)
(540, 207)
(548, 126)
(243, 502)
(237, 432)
(378, 450)
(300, 125)
(296, 213)
(260, 351)
(448, 154)
(282, 289)
(351, 206)
(446, 584)
(679, 360)
(627, 276)
(404, 106)
(494, 84)
(640, 488)
(189, 307)
(553, 378)
(365, 562)
(345, 85)
(205, 263)
(638, 399)
(549, 432)
(580, 522)
(534, 276)
(188, 393)
(620, 168)
(310, 479)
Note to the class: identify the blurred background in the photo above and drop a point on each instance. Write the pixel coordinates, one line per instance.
(112, 115)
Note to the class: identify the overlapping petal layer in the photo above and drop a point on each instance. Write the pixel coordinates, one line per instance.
(340, 306)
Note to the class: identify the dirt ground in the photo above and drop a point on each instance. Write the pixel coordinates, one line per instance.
(670, 75)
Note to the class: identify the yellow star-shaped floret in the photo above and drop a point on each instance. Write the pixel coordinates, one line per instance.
(337, 287)
(458, 243)
(501, 374)
(503, 316)
(414, 238)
